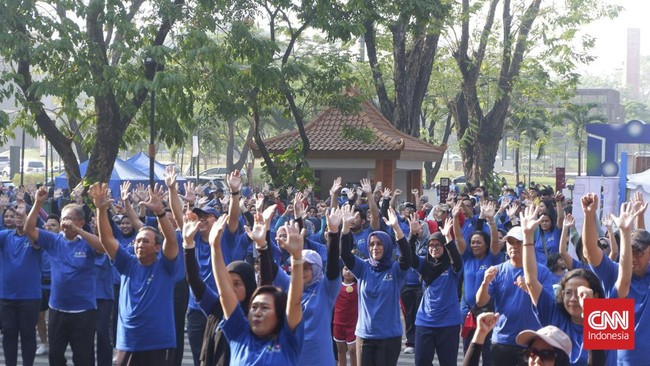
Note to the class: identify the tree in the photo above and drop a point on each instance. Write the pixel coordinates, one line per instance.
(529, 123)
(94, 51)
(547, 29)
(578, 117)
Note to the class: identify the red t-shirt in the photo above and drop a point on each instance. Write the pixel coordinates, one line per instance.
(346, 311)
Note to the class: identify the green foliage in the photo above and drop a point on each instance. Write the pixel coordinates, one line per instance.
(362, 134)
(292, 169)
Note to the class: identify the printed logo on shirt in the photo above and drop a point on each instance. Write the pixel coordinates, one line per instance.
(149, 279)
(483, 267)
(274, 347)
(388, 277)
(80, 254)
(609, 324)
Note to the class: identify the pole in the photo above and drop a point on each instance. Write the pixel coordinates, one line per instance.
(22, 160)
(152, 146)
(46, 161)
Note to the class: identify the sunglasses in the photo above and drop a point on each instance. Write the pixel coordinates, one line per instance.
(543, 354)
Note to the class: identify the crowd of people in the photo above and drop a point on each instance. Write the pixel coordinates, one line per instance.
(256, 276)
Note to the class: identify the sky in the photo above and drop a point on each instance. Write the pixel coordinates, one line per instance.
(611, 35)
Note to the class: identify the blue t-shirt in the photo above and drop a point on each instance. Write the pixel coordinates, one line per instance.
(233, 247)
(146, 304)
(248, 349)
(552, 240)
(46, 270)
(73, 271)
(548, 313)
(439, 306)
(360, 247)
(473, 273)
(20, 267)
(317, 309)
(607, 272)
(379, 294)
(513, 303)
(104, 277)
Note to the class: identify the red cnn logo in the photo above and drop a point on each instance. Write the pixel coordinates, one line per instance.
(609, 324)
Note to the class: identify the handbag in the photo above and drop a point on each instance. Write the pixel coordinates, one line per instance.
(468, 325)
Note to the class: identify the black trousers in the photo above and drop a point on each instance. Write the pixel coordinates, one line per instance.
(504, 355)
(378, 352)
(77, 329)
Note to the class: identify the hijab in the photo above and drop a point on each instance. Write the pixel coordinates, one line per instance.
(432, 268)
(316, 262)
(386, 260)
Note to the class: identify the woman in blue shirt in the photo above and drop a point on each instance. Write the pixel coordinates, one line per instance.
(273, 331)
(437, 323)
(565, 311)
(379, 329)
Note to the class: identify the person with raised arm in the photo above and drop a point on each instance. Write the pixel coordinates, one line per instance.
(565, 310)
(73, 307)
(273, 331)
(145, 334)
(627, 279)
(379, 329)
(501, 283)
(321, 288)
(437, 322)
(485, 322)
(20, 290)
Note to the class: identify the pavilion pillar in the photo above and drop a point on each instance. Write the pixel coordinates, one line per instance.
(385, 172)
(413, 181)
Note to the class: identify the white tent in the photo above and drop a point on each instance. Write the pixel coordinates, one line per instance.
(640, 182)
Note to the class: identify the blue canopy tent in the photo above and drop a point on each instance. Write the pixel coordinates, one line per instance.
(122, 172)
(140, 161)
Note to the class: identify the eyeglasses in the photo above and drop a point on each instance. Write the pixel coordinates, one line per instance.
(637, 253)
(436, 246)
(568, 294)
(544, 354)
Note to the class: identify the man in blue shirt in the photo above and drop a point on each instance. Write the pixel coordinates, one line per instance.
(72, 298)
(145, 334)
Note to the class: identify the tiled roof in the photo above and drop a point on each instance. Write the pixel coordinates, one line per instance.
(326, 138)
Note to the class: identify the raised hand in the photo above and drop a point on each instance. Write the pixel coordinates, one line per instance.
(347, 218)
(125, 191)
(457, 209)
(190, 228)
(415, 192)
(488, 209)
(57, 193)
(299, 206)
(41, 195)
(392, 220)
(447, 228)
(225, 201)
(637, 202)
(415, 225)
(333, 218)
(99, 194)
(629, 212)
(190, 193)
(485, 322)
(589, 203)
(215, 232)
(295, 239)
(490, 274)
(386, 194)
(155, 201)
(569, 221)
(4, 201)
(366, 187)
(234, 181)
(290, 191)
(141, 191)
(521, 283)
(397, 192)
(170, 177)
(258, 232)
(529, 220)
(259, 202)
(267, 215)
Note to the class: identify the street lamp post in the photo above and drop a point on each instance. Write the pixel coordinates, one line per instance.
(152, 113)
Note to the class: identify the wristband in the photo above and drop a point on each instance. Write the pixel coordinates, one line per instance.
(161, 215)
(265, 247)
(234, 193)
(297, 261)
(527, 245)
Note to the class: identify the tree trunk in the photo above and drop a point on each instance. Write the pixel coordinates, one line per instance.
(517, 165)
(430, 169)
(579, 158)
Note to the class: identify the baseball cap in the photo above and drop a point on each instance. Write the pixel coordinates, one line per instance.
(410, 205)
(345, 191)
(424, 199)
(549, 334)
(516, 232)
(205, 211)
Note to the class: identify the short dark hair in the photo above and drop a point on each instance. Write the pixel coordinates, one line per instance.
(158, 238)
(54, 217)
(279, 302)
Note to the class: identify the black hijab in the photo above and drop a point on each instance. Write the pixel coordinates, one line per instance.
(215, 349)
(432, 268)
